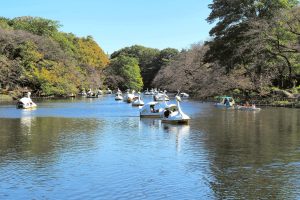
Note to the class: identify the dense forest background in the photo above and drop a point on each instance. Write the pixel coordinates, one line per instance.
(254, 50)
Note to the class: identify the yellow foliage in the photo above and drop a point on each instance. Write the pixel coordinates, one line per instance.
(91, 54)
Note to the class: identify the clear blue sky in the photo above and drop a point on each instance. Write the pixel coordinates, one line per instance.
(115, 24)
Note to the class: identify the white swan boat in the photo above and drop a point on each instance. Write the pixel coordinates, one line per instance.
(82, 93)
(184, 95)
(175, 117)
(118, 97)
(91, 94)
(156, 109)
(108, 91)
(26, 102)
(99, 92)
(226, 102)
(152, 109)
(138, 101)
(161, 97)
(146, 92)
(129, 97)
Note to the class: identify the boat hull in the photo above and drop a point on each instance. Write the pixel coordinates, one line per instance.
(26, 107)
(181, 121)
(136, 105)
(151, 116)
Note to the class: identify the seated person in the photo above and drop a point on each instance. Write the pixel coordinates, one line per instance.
(167, 113)
(247, 104)
(152, 108)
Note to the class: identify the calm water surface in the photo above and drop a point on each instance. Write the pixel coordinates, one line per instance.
(101, 149)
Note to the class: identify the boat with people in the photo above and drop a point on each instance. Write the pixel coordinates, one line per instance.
(225, 102)
(138, 101)
(247, 107)
(91, 94)
(152, 109)
(156, 109)
(175, 117)
(26, 102)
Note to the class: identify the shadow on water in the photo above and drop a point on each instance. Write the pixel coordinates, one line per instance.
(252, 155)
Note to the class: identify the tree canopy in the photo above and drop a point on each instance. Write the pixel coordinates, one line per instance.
(256, 36)
(36, 55)
(150, 60)
(124, 73)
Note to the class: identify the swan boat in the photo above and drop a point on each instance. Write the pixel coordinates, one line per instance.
(108, 91)
(184, 95)
(175, 117)
(118, 97)
(156, 109)
(91, 94)
(161, 97)
(129, 97)
(26, 102)
(138, 101)
(146, 92)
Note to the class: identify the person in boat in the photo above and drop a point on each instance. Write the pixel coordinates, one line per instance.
(226, 101)
(167, 113)
(247, 104)
(152, 108)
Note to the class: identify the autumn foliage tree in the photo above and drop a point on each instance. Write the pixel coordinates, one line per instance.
(36, 55)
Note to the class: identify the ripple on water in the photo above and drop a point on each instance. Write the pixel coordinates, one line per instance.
(101, 149)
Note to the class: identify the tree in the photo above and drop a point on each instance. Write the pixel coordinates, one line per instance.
(126, 70)
(150, 60)
(233, 18)
(35, 25)
(246, 36)
(189, 73)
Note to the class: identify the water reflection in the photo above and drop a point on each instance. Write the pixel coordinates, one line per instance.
(253, 155)
(27, 119)
(101, 149)
(43, 135)
(181, 132)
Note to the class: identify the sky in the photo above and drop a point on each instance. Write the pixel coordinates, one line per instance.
(116, 24)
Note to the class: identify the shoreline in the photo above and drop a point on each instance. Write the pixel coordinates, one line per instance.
(264, 102)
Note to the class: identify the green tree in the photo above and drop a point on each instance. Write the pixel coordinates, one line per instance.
(35, 25)
(126, 70)
(232, 20)
(150, 60)
(241, 38)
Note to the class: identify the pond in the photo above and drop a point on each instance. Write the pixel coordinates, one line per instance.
(101, 149)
